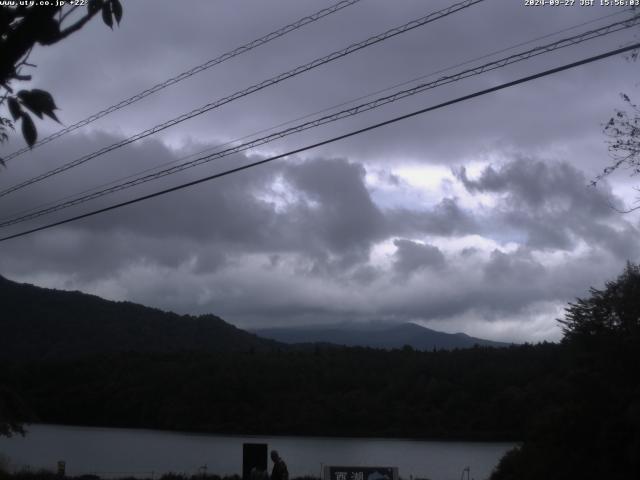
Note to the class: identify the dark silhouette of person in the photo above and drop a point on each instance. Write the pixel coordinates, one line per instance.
(279, 471)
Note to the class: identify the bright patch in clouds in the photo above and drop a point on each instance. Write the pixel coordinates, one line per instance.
(430, 183)
(382, 226)
(538, 323)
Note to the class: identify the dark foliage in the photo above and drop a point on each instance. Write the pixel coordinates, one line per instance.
(47, 475)
(576, 405)
(79, 359)
(612, 314)
(479, 393)
(40, 323)
(50, 324)
(623, 132)
(22, 27)
(592, 430)
(12, 409)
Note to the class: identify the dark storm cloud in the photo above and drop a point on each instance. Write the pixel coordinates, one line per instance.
(89, 256)
(512, 267)
(345, 218)
(311, 226)
(181, 35)
(555, 206)
(446, 218)
(531, 183)
(305, 240)
(328, 217)
(323, 211)
(411, 256)
(366, 274)
(502, 285)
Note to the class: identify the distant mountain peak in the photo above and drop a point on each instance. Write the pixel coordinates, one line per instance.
(381, 334)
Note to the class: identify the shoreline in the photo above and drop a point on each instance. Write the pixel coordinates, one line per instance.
(198, 433)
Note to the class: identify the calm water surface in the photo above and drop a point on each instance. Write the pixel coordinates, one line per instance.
(112, 451)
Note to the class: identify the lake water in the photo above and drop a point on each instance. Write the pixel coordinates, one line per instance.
(111, 452)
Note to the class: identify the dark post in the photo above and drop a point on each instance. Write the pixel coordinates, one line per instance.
(254, 455)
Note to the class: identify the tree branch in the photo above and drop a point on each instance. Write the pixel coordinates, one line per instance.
(616, 209)
(22, 39)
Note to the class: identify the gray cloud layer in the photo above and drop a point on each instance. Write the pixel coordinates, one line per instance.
(297, 242)
(514, 234)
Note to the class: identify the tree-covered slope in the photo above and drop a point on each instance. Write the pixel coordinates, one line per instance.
(591, 430)
(40, 323)
(478, 393)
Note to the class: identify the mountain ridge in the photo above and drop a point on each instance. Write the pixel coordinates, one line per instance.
(385, 335)
(43, 323)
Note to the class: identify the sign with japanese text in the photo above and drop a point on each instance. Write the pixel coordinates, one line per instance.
(360, 473)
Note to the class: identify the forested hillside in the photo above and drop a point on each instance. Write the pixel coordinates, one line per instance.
(41, 323)
(576, 404)
(590, 428)
(479, 393)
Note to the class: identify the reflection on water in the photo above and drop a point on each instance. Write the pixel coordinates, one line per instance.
(110, 451)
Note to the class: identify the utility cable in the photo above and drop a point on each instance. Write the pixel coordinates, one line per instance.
(589, 35)
(252, 89)
(330, 140)
(309, 115)
(189, 73)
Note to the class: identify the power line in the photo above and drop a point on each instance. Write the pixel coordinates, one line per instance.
(309, 115)
(330, 140)
(189, 73)
(574, 40)
(252, 89)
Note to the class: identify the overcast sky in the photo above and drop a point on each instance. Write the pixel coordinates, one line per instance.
(478, 217)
